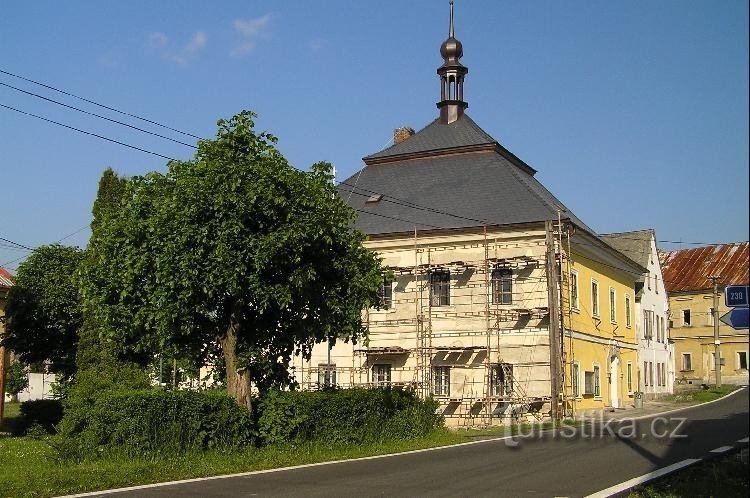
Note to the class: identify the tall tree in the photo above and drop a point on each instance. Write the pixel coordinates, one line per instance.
(43, 309)
(234, 253)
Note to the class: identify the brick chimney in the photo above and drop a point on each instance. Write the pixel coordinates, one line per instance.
(401, 134)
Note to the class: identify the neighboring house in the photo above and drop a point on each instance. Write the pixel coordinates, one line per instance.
(655, 350)
(686, 274)
(474, 245)
(6, 282)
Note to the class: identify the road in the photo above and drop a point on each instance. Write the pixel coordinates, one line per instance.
(546, 465)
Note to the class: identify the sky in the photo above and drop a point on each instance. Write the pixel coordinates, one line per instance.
(634, 113)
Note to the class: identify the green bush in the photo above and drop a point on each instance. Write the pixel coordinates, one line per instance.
(44, 413)
(348, 416)
(150, 422)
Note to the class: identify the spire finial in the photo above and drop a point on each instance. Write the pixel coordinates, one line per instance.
(450, 28)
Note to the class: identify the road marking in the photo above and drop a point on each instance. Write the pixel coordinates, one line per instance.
(745, 440)
(652, 415)
(624, 486)
(722, 449)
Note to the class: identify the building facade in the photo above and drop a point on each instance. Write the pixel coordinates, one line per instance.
(692, 317)
(497, 300)
(6, 282)
(656, 366)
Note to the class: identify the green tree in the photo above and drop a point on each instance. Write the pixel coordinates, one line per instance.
(43, 309)
(234, 254)
(16, 379)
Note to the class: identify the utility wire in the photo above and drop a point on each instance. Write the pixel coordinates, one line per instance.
(50, 87)
(87, 132)
(96, 115)
(33, 249)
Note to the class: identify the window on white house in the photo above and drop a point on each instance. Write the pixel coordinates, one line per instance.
(326, 375)
(612, 306)
(502, 379)
(685, 318)
(648, 281)
(651, 372)
(645, 373)
(574, 289)
(440, 287)
(628, 321)
(442, 381)
(381, 374)
(742, 360)
(502, 286)
(648, 324)
(664, 333)
(574, 378)
(630, 377)
(687, 362)
(595, 298)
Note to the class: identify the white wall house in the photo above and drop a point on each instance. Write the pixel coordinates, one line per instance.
(655, 350)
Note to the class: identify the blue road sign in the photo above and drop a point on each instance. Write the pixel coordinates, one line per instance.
(735, 296)
(737, 318)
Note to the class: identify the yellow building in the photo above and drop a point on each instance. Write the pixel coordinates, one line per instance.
(482, 261)
(691, 297)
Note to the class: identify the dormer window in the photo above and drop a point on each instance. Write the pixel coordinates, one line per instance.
(374, 198)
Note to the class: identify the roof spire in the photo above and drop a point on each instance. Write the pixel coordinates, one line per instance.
(451, 74)
(450, 26)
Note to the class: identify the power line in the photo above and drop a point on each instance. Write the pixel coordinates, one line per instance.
(88, 132)
(22, 246)
(50, 87)
(34, 249)
(96, 115)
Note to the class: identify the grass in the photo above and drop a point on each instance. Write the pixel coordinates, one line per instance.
(701, 395)
(723, 477)
(11, 416)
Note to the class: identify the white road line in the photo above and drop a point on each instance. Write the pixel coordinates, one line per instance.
(744, 440)
(624, 486)
(722, 449)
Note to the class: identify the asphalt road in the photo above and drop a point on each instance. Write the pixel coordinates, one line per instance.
(547, 465)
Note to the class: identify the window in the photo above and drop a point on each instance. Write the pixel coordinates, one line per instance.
(386, 293)
(713, 361)
(742, 360)
(658, 330)
(663, 374)
(651, 373)
(612, 302)
(595, 298)
(574, 289)
(381, 374)
(597, 388)
(648, 325)
(575, 372)
(440, 287)
(685, 318)
(663, 329)
(648, 281)
(442, 381)
(502, 286)
(628, 321)
(645, 373)
(588, 383)
(502, 379)
(630, 377)
(326, 375)
(710, 318)
(687, 362)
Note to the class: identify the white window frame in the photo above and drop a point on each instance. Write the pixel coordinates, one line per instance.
(595, 311)
(450, 287)
(612, 305)
(597, 369)
(389, 373)
(710, 320)
(690, 319)
(327, 370)
(441, 380)
(575, 297)
(496, 284)
(629, 377)
(739, 364)
(575, 379)
(628, 311)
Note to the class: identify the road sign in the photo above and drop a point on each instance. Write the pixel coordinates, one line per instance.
(735, 296)
(737, 318)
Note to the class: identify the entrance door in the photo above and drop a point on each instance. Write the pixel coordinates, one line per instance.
(614, 377)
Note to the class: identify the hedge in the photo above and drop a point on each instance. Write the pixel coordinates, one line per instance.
(46, 413)
(347, 416)
(140, 422)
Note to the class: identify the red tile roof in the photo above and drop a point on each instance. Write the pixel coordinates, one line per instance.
(6, 279)
(689, 269)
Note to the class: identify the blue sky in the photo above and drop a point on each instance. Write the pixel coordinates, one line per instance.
(635, 113)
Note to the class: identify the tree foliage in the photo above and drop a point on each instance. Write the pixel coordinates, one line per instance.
(43, 309)
(234, 253)
(16, 379)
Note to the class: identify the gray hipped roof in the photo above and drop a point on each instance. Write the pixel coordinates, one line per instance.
(635, 245)
(447, 190)
(435, 136)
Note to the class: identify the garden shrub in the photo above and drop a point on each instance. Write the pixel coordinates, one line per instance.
(44, 413)
(152, 421)
(349, 416)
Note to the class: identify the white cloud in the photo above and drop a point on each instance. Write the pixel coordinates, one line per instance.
(249, 31)
(181, 56)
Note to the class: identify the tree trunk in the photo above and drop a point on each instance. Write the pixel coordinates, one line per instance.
(238, 381)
